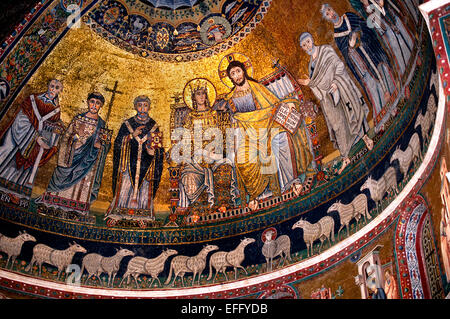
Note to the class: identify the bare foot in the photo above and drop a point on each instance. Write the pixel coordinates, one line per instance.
(368, 141)
(253, 205)
(297, 188)
(345, 163)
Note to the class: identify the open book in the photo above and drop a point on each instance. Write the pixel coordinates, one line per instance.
(287, 116)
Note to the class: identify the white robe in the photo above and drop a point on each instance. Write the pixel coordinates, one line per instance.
(344, 110)
(18, 138)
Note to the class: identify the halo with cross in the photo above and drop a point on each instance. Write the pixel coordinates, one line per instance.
(226, 60)
(272, 231)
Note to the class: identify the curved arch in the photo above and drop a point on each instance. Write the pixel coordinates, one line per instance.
(417, 278)
(262, 282)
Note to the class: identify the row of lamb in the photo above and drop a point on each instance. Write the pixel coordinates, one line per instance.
(425, 121)
(96, 265)
(410, 155)
(358, 208)
(323, 230)
(406, 157)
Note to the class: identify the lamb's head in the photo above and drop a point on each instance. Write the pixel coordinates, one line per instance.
(24, 236)
(170, 252)
(269, 236)
(418, 121)
(77, 248)
(334, 207)
(299, 224)
(431, 106)
(125, 252)
(396, 154)
(247, 241)
(209, 248)
(367, 184)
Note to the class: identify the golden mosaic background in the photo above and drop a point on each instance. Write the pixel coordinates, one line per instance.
(84, 62)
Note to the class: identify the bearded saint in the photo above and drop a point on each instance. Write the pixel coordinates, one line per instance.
(28, 142)
(268, 159)
(137, 163)
(343, 106)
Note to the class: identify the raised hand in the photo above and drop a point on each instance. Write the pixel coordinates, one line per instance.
(304, 82)
(138, 131)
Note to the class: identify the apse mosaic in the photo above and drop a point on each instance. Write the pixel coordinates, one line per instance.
(203, 30)
(171, 144)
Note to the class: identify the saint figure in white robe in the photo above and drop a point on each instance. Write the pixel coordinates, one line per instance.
(342, 103)
(29, 140)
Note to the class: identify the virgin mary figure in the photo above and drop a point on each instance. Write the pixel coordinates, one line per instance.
(197, 172)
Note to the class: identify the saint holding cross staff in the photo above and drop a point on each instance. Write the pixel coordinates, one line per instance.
(75, 183)
(111, 102)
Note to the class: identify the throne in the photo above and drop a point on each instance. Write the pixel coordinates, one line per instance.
(222, 174)
(284, 86)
